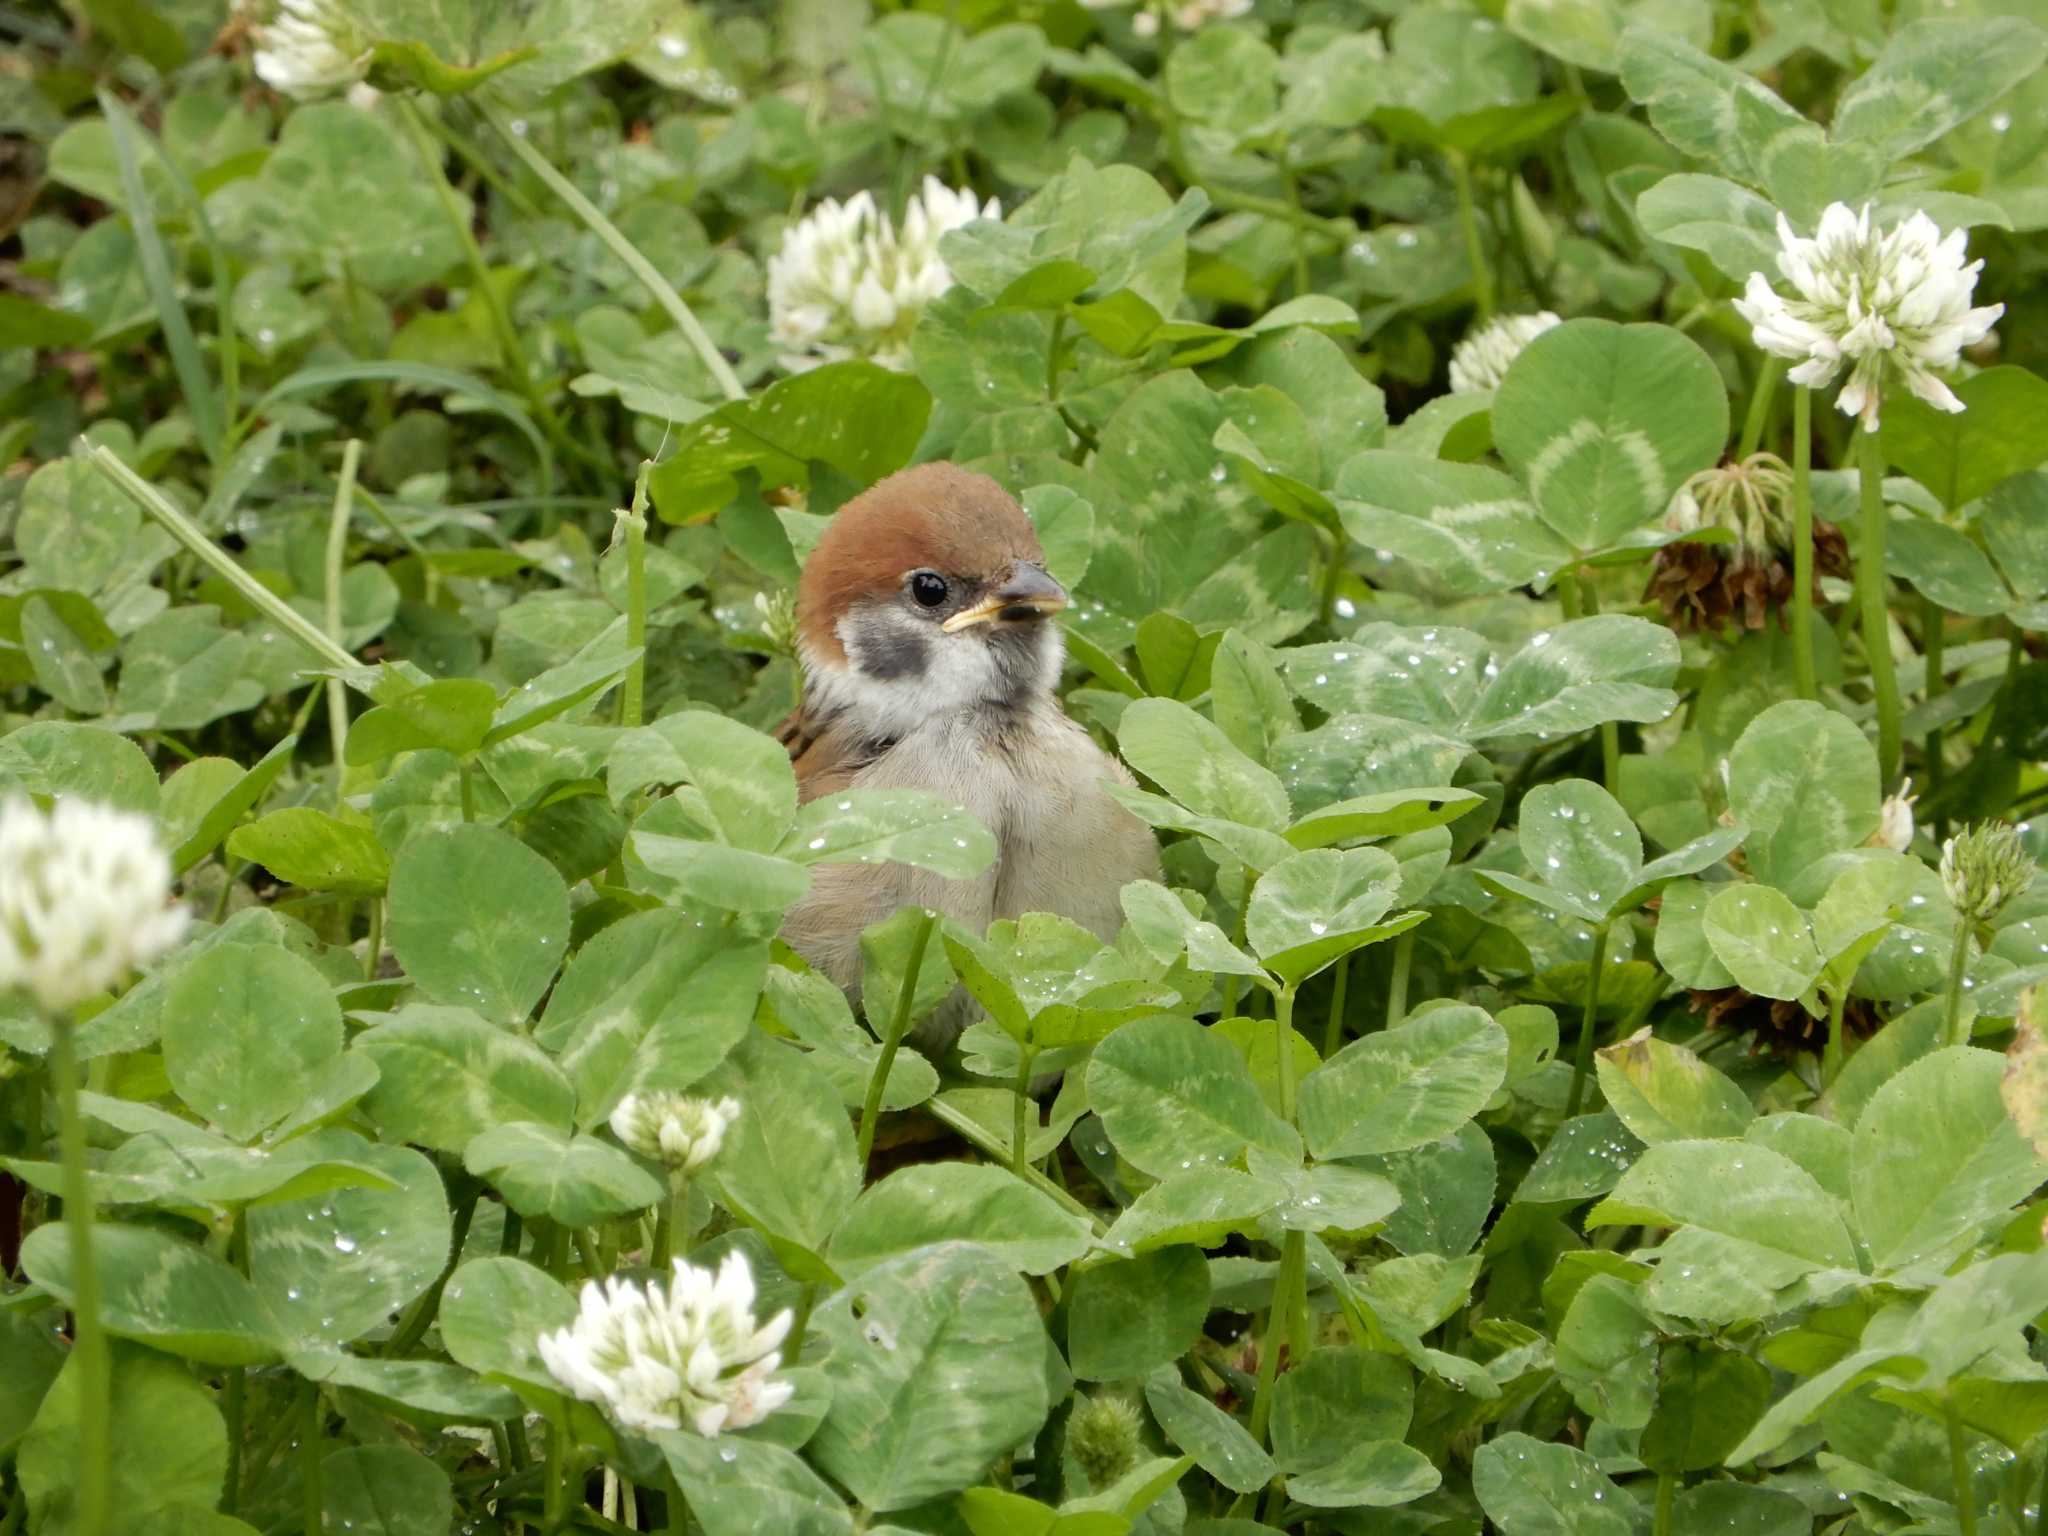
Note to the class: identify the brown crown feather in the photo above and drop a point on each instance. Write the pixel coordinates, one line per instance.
(932, 516)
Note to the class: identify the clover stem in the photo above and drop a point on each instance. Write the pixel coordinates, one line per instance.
(1834, 1047)
(373, 945)
(1290, 1278)
(974, 1133)
(899, 1024)
(1959, 1471)
(632, 693)
(663, 1247)
(313, 1500)
(1667, 1499)
(1230, 983)
(1877, 634)
(1283, 1042)
(664, 294)
(1577, 599)
(1292, 184)
(1955, 1028)
(89, 1339)
(1020, 1129)
(1760, 399)
(235, 1398)
(1468, 222)
(1582, 1057)
(1934, 641)
(1802, 543)
(412, 1327)
(1340, 987)
(1333, 577)
(256, 1466)
(1397, 988)
(554, 1480)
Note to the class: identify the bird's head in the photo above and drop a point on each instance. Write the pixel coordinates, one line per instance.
(927, 594)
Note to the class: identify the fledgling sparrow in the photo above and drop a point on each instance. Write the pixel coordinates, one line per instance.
(930, 660)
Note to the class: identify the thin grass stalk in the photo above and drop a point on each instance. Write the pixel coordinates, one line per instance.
(218, 560)
(227, 340)
(632, 693)
(337, 552)
(594, 220)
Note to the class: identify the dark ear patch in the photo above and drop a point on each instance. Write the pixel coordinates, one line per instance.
(886, 649)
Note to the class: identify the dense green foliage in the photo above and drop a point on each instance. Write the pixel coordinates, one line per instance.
(1555, 1088)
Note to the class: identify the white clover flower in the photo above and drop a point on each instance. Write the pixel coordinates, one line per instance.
(1187, 16)
(685, 1133)
(1481, 360)
(310, 48)
(1869, 301)
(656, 1359)
(847, 283)
(83, 900)
(1895, 820)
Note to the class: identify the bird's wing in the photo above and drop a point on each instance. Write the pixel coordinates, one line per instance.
(825, 755)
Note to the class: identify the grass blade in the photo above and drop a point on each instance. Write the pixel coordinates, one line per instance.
(193, 380)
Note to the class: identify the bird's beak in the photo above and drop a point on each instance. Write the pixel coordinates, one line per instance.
(1026, 593)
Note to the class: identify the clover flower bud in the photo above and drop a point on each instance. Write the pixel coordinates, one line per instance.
(1481, 360)
(84, 895)
(778, 619)
(1895, 821)
(684, 1133)
(847, 282)
(1887, 305)
(1984, 868)
(1103, 1434)
(309, 49)
(687, 1354)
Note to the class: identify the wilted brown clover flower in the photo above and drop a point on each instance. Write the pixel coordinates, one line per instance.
(1704, 586)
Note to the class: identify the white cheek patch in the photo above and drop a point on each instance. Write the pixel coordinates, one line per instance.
(900, 678)
(956, 673)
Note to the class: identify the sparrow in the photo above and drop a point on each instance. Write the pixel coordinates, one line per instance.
(924, 628)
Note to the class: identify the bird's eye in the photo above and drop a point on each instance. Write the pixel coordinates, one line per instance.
(928, 587)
